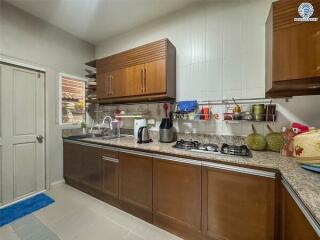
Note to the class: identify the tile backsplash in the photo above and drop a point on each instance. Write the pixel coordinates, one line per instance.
(211, 127)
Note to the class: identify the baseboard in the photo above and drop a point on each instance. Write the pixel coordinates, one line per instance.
(21, 199)
(57, 184)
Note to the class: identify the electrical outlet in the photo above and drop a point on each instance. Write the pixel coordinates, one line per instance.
(151, 122)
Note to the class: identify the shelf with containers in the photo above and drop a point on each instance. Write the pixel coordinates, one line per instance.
(235, 111)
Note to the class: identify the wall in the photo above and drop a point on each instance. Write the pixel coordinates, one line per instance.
(220, 54)
(27, 39)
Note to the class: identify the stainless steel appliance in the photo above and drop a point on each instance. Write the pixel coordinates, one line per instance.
(166, 130)
(196, 146)
(143, 135)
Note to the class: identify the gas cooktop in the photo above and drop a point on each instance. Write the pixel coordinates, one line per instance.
(196, 146)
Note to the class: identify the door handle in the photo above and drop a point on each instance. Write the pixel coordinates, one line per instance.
(107, 87)
(110, 85)
(40, 138)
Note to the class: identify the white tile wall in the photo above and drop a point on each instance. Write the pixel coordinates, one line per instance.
(220, 48)
(220, 54)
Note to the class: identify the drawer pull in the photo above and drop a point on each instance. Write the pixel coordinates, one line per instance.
(104, 158)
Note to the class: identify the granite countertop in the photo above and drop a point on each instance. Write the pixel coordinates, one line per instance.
(305, 183)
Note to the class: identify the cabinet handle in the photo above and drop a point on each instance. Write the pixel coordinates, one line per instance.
(145, 80)
(142, 88)
(104, 158)
(108, 83)
(110, 90)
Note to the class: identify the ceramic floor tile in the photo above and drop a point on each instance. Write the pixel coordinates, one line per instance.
(67, 227)
(31, 228)
(102, 228)
(78, 216)
(132, 236)
(7, 233)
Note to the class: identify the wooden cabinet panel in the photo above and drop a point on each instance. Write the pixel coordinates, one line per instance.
(135, 181)
(292, 51)
(133, 85)
(295, 226)
(117, 80)
(91, 166)
(72, 161)
(300, 52)
(102, 85)
(238, 206)
(177, 197)
(110, 173)
(145, 73)
(155, 77)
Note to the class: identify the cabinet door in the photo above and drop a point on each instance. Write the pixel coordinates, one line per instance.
(295, 226)
(297, 52)
(155, 80)
(177, 197)
(91, 165)
(110, 173)
(238, 206)
(134, 85)
(103, 85)
(72, 161)
(116, 83)
(135, 182)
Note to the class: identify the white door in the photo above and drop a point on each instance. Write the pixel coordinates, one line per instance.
(22, 133)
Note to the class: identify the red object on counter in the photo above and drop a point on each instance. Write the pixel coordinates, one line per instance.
(206, 113)
(302, 128)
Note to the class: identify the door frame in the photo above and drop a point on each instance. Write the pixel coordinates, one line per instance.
(22, 64)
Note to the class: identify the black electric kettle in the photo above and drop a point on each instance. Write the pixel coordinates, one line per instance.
(143, 135)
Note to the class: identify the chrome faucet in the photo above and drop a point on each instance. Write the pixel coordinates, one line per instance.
(110, 121)
(105, 130)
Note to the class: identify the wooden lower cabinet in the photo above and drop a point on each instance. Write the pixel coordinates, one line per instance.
(135, 184)
(209, 202)
(294, 224)
(110, 173)
(177, 197)
(91, 166)
(72, 161)
(237, 206)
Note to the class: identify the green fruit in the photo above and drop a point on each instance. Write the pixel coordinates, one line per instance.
(256, 141)
(274, 140)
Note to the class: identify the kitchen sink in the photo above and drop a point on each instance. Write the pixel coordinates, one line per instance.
(96, 136)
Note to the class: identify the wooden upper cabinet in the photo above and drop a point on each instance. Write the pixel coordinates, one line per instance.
(116, 82)
(145, 73)
(295, 225)
(134, 83)
(102, 85)
(292, 51)
(155, 73)
(237, 205)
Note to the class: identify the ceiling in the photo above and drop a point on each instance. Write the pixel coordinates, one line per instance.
(97, 20)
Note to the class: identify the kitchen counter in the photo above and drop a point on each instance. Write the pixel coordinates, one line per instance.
(306, 184)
